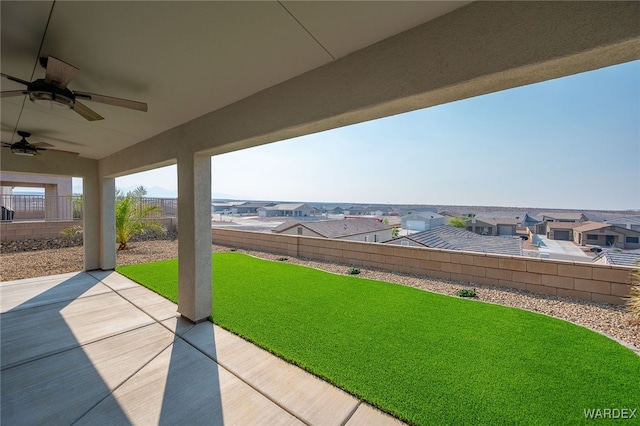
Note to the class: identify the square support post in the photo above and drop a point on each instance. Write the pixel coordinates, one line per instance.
(99, 234)
(194, 243)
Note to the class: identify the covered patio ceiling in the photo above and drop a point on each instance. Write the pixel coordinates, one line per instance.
(184, 59)
(276, 69)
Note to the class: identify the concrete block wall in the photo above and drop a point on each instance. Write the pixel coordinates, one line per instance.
(15, 231)
(586, 281)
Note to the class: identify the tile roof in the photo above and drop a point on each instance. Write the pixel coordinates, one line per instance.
(496, 220)
(627, 220)
(622, 258)
(286, 206)
(591, 226)
(562, 215)
(564, 225)
(337, 228)
(252, 205)
(424, 214)
(517, 215)
(450, 238)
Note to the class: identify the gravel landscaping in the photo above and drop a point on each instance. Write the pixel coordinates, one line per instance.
(609, 319)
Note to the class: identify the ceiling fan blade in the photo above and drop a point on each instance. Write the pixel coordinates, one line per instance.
(13, 93)
(59, 73)
(109, 100)
(61, 151)
(16, 79)
(86, 112)
(42, 145)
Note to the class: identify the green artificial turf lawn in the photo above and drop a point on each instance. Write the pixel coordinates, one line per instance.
(424, 357)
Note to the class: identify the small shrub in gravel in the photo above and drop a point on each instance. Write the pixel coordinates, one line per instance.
(354, 271)
(283, 259)
(466, 292)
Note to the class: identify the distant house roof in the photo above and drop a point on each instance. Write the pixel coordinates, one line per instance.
(531, 218)
(591, 226)
(497, 220)
(424, 214)
(563, 225)
(626, 220)
(450, 238)
(336, 228)
(516, 215)
(252, 204)
(623, 258)
(562, 215)
(286, 206)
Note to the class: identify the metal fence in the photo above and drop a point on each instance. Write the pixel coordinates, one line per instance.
(24, 208)
(167, 207)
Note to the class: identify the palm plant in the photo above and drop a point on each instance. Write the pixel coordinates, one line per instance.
(131, 215)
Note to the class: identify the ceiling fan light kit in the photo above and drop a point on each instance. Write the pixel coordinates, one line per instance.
(26, 150)
(51, 99)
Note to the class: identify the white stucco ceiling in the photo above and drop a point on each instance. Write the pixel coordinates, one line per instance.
(184, 59)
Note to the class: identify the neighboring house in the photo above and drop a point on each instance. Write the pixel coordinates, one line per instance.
(449, 214)
(629, 222)
(421, 221)
(562, 231)
(248, 208)
(380, 211)
(368, 230)
(450, 238)
(336, 210)
(606, 235)
(493, 226)
(286, 210)
(221, 207)
(619, 258)
(530, 221)
(356, 211)
(562, 217)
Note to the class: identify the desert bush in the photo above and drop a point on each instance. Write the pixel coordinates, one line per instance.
(466, 292)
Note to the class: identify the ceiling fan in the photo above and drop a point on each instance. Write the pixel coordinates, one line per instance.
(52, 91)
(23, 147)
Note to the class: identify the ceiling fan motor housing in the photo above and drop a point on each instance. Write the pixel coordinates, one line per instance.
(50, 96)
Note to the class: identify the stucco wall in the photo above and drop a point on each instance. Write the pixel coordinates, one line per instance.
(598, 283)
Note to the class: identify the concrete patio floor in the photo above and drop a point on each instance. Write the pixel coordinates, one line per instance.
(97, 348)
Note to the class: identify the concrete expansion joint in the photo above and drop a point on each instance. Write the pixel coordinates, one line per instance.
(220, 364)
(126, 379)
(346, 419)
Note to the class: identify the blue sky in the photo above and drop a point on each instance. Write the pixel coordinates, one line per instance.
(573, 142)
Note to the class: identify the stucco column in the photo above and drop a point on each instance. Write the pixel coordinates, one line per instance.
(50, 202)
(98, 212)
(108, 223)
(194, 243)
